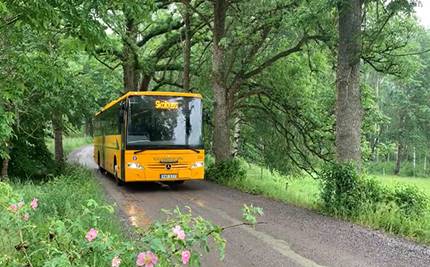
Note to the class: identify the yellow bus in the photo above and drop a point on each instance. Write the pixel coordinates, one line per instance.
(151, 136)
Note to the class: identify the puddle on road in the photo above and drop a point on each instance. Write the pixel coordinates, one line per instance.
(136, 215)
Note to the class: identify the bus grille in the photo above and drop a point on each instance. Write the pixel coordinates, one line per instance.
(163, 167)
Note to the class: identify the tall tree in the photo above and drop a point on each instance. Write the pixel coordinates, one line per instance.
(221, 135)
(349, 111)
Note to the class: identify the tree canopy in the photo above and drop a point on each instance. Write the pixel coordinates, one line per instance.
(277, 76)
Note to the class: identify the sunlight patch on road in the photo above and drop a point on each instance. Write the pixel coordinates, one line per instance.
(136, 215)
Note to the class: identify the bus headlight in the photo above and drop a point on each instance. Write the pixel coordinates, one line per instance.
(135, 165)
(197, 164)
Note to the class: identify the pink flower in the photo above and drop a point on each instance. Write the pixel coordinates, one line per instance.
(25, 217)
(186, 254)
(116, 261)
(34, 203)
(147, 259)
(13, 208)
(180, 234)
(91, 235)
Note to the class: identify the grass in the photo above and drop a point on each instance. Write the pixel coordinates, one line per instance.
(301, 191)
(70, 143)
(391, 181)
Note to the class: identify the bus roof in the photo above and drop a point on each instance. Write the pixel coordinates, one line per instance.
(140, 93)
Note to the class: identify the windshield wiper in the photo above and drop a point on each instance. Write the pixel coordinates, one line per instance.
(193, 149)
(140, 150)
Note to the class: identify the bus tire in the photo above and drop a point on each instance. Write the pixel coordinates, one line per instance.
(99, 168)
(118, 181)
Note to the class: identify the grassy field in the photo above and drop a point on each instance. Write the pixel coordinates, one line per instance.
(392, 180)
(70, 143)
(301, 191)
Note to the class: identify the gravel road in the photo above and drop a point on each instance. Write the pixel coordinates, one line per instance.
(291, 236)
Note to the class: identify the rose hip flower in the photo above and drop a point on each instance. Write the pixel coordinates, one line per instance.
(186, 254)
(13, 208)
(25, 217)
(91, 235)
(180, 234)
(116, 261)
(34, 203)
(147, 259)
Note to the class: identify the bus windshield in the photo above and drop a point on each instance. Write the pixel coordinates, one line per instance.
(164, 122)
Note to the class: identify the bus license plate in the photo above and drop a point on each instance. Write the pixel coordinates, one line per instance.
(168, 176)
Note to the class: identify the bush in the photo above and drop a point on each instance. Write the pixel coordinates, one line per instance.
(411, 201)
(339, 193)
(346, 193)
(224, 171)
(30, 158)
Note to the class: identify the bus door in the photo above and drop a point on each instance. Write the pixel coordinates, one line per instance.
(122, 118)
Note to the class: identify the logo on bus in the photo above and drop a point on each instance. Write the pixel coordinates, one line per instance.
(166, 105)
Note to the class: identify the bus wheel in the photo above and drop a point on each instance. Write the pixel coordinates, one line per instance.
(118, 181)
(99, 168)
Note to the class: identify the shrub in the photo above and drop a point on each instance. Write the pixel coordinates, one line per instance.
(339, 192)
(224, 171)
(30, 158)
(411, 201)
(346, 193)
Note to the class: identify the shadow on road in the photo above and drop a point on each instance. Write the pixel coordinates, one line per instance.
(152, 187)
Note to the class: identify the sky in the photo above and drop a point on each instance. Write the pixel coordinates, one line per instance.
(423, 13)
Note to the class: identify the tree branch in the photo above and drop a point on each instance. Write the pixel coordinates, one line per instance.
(272, 60)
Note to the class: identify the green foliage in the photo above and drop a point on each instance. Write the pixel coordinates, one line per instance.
(410, 200)
(250, 213)
(341, 191)
(30, 158)
(346, 194)
(70, 143)
(225, 171)
(72, 226)
(407, 169)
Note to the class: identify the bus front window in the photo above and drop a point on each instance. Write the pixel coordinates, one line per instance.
(164, 122)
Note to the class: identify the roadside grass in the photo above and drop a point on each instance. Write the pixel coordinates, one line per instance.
(302, 190)
(70, 143)
(392, 181)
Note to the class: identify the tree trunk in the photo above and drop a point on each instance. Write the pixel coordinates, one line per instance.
(4, 169)
(348, 102)
(221, 138)
(236, 136)
(144, 84)
(399, 159)
(130, 63)
(187, 47)
(89, 127)
(57, 124)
